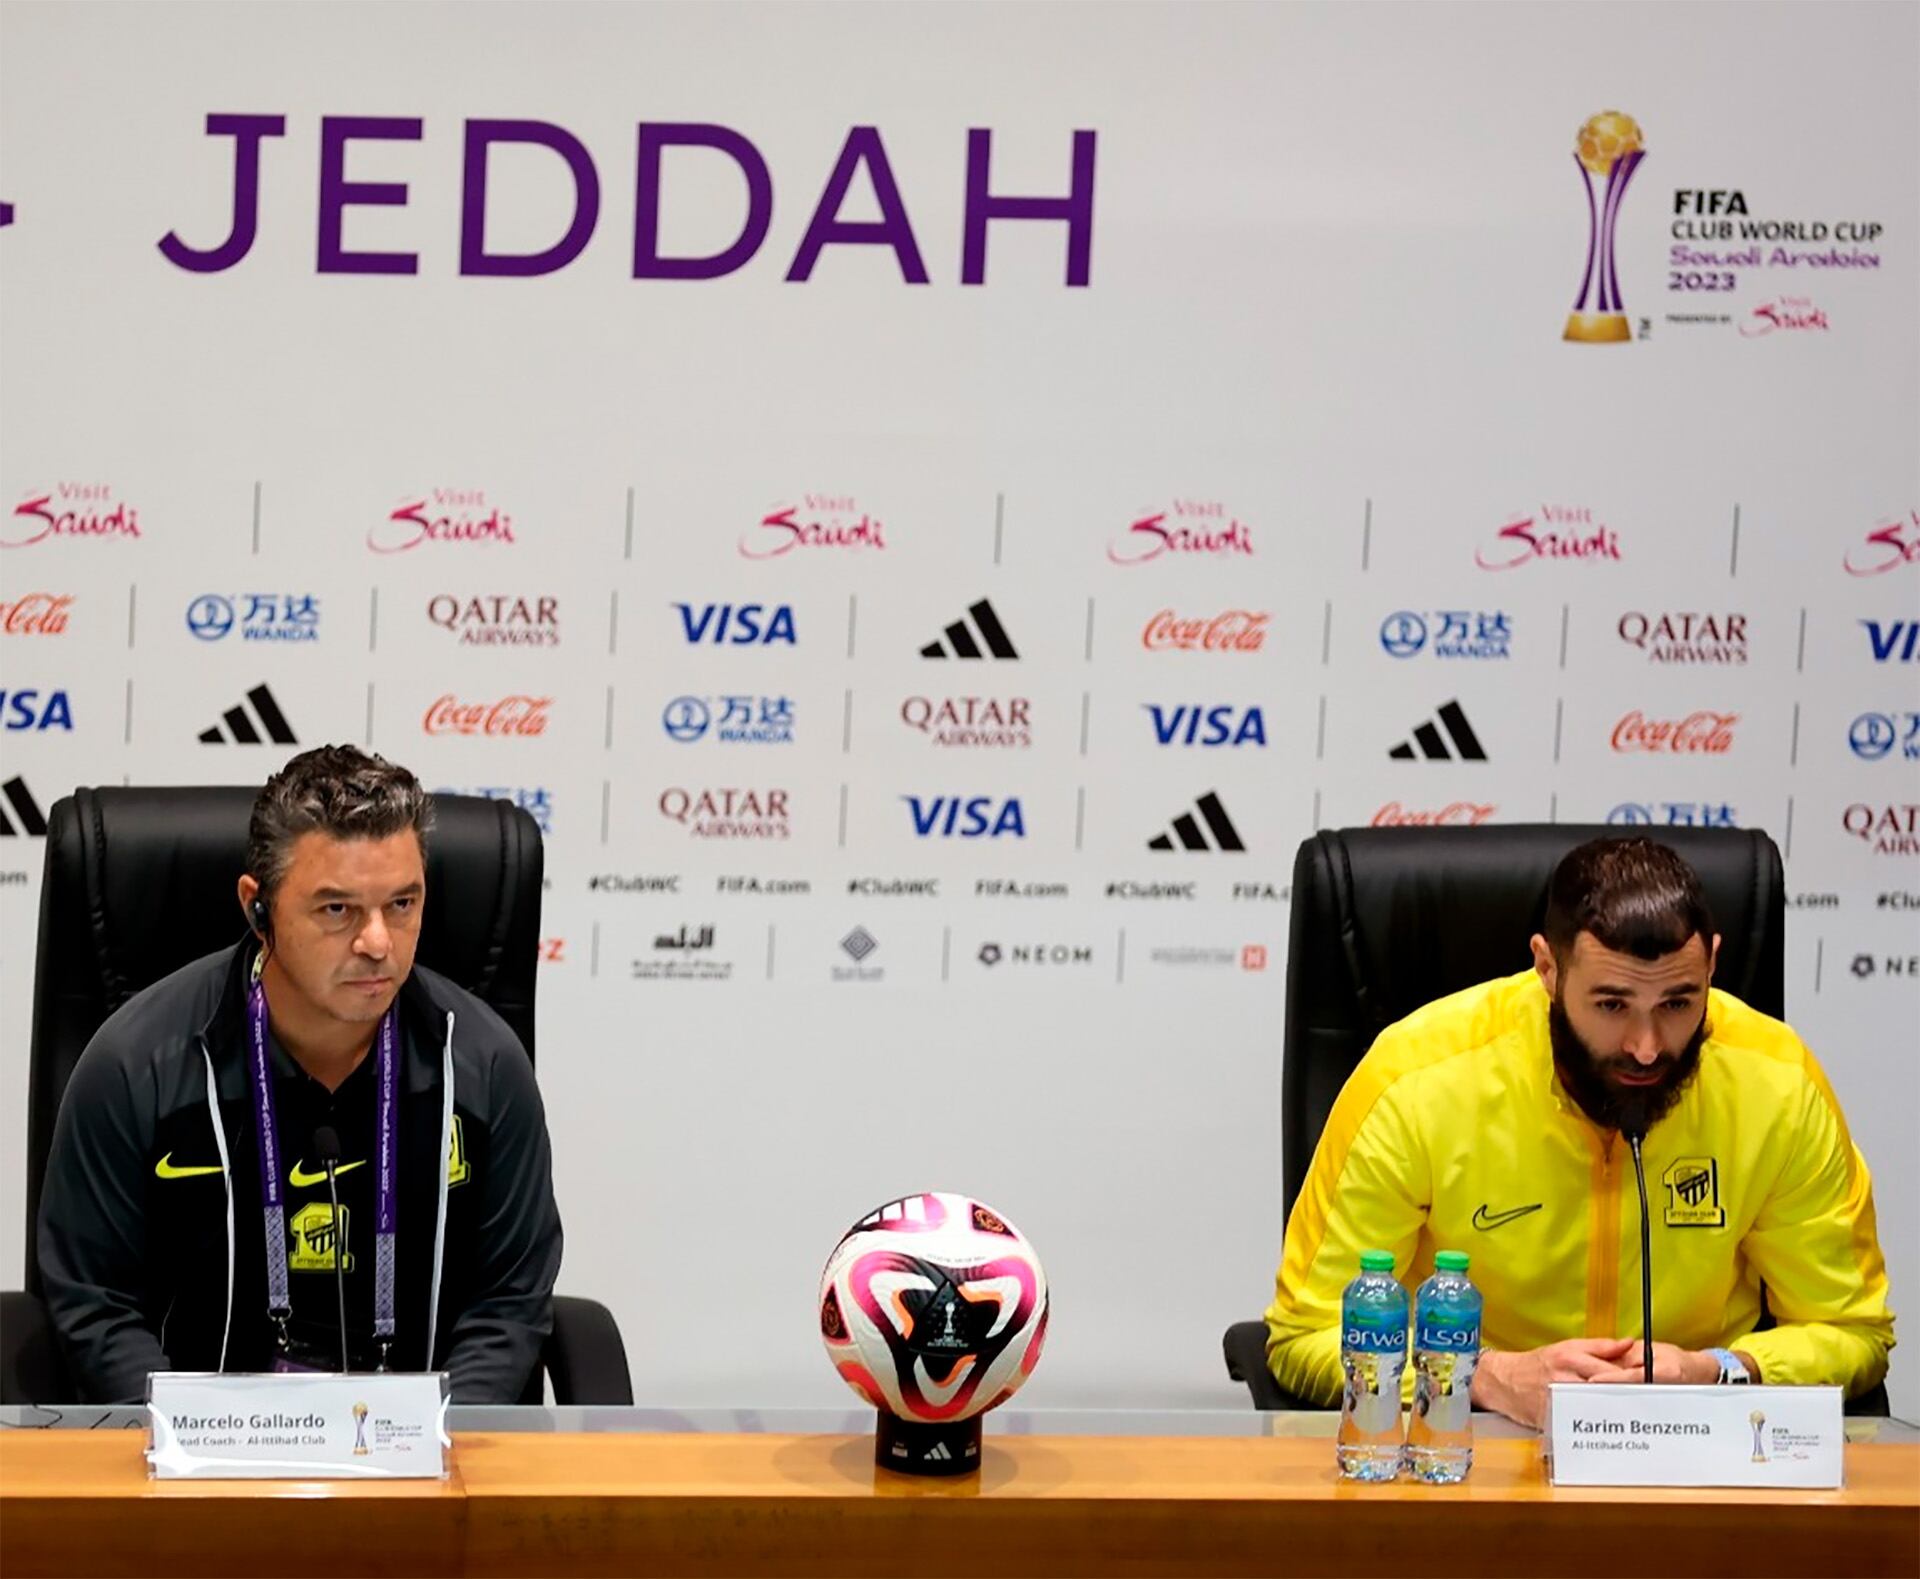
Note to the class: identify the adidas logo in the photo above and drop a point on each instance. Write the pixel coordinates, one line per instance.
(20, 816)
(1187, 833)
(938, 1454)
(962, 640)
(242, 728)
(1429, 742)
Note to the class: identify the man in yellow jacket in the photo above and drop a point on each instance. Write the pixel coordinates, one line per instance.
(1494, 1121)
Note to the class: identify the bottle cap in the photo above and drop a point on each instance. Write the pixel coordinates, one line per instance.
(1376, 1260)
(1451, 1260)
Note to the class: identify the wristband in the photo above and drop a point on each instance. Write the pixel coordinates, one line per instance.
(1732, 1372)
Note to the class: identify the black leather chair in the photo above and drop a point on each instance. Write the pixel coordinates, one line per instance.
(1387, 919)
(140, 882)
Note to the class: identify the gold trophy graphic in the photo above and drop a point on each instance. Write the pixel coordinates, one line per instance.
(1758, 1420)
(1609, 146)
(359, 1429)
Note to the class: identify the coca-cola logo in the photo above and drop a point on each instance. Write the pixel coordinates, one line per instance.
(1202, 528)
(519, 714)
(728, 813)
(70, 509)
(986, 722)
(819, 520)
(1686, 637)
(36, 614)
(1888, 546)
(1455, 814)
(1554, 531)
(1232, 630)
(442, 515)
(1702, 732)
(498, 620)
(1889, 829)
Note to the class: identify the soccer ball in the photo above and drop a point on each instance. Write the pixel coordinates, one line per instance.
(933, 1308)
(1607, 138)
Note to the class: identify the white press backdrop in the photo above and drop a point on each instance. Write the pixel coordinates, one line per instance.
(1330, 250)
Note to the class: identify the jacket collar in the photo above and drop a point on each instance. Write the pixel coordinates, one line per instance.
(423, 1024)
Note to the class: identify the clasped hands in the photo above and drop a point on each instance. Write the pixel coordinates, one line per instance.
(1515, 1384)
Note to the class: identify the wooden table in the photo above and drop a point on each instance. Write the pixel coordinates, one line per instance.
(608, 1503)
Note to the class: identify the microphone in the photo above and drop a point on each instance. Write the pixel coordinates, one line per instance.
(1646, 1259)
(326, 1145)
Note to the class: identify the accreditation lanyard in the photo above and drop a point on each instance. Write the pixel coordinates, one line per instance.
(267, 1129)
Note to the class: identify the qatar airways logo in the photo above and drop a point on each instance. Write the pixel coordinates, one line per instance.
(1187, 528)
(441, 515)
(1233, 630)
(36, 614)
(1554, 531)
(69, 509)
(1455, 814)
(518, 715)
(819, 520)
(1700, 733)
(1888, 546)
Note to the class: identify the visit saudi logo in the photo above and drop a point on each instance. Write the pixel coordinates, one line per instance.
(1609, 146)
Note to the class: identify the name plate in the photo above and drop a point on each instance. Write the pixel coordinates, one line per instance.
(1696, 1436)
(297, 1426)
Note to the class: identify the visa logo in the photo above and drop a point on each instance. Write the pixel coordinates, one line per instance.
(1208, 726)
(737, 625)
(25, 710)
(1903, 635)
(950, 817)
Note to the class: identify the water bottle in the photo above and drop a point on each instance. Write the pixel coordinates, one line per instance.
(1446, 1348)
(1373, 1353)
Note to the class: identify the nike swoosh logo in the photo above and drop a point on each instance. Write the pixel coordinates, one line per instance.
(165, 1169)
(299, 1178)
(1486, 1219)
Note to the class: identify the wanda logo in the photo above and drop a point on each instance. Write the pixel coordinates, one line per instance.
(511, 715)
(1235, 630)
(1455, 814)
(1701, 733)
(36, 614)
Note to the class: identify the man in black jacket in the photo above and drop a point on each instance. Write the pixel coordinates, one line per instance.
(186, 1222)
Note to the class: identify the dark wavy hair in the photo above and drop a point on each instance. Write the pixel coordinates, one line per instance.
(1635, 896)
(337, 790)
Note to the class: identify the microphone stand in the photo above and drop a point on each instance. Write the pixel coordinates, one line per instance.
(1646, 1261)
(326, 1141)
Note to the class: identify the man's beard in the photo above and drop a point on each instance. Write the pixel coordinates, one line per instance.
(1633, 1110)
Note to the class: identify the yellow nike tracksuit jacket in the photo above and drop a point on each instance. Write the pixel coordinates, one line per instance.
(1454, 1134)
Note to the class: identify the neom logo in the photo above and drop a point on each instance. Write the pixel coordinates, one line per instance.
(820, 520)
(1202, 527)
(1555, 531)
(44, 614)
(443, 515)
(70, 509)
(1234, 630)
(512, 715)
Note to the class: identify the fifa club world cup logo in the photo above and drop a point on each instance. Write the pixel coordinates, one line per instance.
(1758, 1420)
(1609, 147)
(359, 1428)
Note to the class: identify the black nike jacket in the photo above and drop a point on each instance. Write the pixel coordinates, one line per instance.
(151, 1234)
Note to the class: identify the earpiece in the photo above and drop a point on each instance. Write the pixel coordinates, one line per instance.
(257, 914)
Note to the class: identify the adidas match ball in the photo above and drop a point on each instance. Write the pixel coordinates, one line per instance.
(1607, 138)
(933, 1308)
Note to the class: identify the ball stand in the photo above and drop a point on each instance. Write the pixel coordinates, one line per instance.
(913, 1447)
